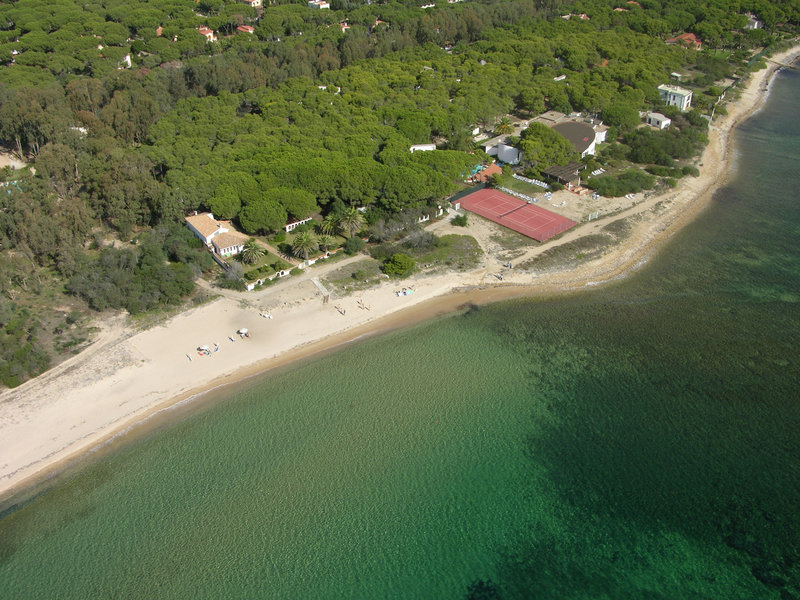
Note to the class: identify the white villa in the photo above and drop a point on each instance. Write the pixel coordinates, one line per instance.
(674, 95)
(218, 235)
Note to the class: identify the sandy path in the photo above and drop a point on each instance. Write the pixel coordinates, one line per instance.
(125, 376)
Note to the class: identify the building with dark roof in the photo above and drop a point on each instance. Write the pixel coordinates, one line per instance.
(569, 174)
(580, 135)
(584, 133)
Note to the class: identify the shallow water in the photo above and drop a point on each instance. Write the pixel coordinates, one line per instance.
(639, 440)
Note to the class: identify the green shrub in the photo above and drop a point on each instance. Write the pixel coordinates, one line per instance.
(691, 170)
(660, 171)
(381, 251)
(629, 182)
(398, 264)
(459, 220)
(296, 271)
(279, 237)
(353, 245)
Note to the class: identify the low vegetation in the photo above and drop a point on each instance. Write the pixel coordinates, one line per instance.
(580, 251)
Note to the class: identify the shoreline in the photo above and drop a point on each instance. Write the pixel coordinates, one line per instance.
(127, 382)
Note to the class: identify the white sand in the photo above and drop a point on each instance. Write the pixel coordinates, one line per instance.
(8, 160)
(125, 376)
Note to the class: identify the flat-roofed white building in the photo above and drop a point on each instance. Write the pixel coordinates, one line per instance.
(674, 95)
(657, 120)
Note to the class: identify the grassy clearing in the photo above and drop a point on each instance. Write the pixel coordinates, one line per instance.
(354, 277)
(451, 252)
(512, 244)
(582, 250)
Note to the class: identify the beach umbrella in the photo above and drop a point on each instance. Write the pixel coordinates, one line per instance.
(242, 331)
(203, 348)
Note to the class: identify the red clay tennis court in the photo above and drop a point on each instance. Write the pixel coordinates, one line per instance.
(508, 211)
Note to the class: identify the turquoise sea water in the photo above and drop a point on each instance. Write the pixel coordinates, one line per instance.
(640, 440)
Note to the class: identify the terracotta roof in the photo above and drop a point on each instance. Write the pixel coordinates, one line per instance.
(226, 240)
(688, 39)
(487, 173)
(204, 223)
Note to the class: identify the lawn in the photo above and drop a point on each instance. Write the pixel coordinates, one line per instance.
(264, 267)
(534, 191)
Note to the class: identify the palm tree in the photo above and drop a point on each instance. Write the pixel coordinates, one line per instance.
(325, 242)
(504, 126)
(252, 252)
(329, 224)
(304, 243)
(351, 221)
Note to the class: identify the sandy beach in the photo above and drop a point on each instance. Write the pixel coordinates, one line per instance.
(125, 376)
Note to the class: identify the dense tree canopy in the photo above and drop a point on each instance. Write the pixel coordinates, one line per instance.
(543, 147)
(133, 119)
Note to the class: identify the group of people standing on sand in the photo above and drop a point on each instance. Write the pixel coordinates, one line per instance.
(206, 351)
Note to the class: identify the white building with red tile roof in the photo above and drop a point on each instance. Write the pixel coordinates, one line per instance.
(228, 243)
(218, 235)
(208, 34)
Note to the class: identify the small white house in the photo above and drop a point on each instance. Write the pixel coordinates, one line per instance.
(318, 4)
(657, 120)
(753, 22)
(228, 243)
(508, 154)
(673, 95)
(422, 148)
(208, 34)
